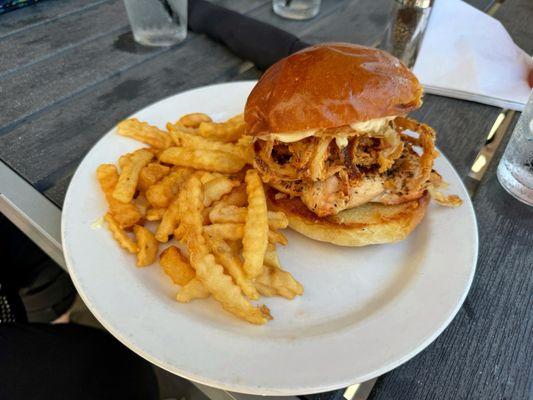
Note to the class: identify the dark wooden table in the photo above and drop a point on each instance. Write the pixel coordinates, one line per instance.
(69, 71)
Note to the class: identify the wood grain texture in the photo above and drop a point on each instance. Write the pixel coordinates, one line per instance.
(29, 17)
(49, 39)
(482, 5)
(59, 138)
(516, 15)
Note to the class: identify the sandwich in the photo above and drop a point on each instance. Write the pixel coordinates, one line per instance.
(335, 148)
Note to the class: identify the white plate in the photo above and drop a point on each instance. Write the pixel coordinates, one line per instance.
(364, 311)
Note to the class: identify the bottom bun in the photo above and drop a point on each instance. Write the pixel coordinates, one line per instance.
(371, 223)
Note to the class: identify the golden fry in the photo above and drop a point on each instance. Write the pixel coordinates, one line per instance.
(144, 132)
(232, 264)
(221, 213)
(271, 257)
(182, 137)
(152, 174)
(127, 181)
(142, 204)
(202, 193)
(247, 149)
(147, 244)
(193, 120)
(176, 266)
(227, 231)
(275, 281)
(277, 237)
(202, 159)
(161, 194)
(255, 239)
(125, 214)
(154, 214)
(194, 289)
(120, 235)
(228, 131)
(170, 219)
(123, 160)
(216, 188)
(235, 231)
(208, 271)
(237, 197)
(179, 233)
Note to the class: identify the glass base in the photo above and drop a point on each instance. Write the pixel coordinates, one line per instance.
(513, 186)
(292, 12)
(157, 39)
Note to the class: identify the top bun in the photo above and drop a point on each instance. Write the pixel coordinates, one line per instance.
(330, 85)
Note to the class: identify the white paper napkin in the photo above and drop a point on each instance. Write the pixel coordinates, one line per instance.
(467, 54)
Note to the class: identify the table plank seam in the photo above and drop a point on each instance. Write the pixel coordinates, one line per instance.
(59, 102)
(65, 49)
(36, 24)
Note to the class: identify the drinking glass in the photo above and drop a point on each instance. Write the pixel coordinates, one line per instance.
(296, 9)
(157, 22)
(515, 171)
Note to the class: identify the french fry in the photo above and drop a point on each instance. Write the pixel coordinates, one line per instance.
(275, 281)
(123, 160)
(194, 289)
(125, 214)
(183, 137)
(179, 233)
(202, 193)
(228, 131)
(227, 231)
(176, 266)
(144, 132)
(129, 176)
(147, 244)
(237, 197)
(216, 188)
(142, 204)
(236, 231)
(222, 213)
(202, 159)
(232, 264)
(170, 219)
(255, 239)
(246, 145)
(120, 235)
(193, 120)
(151, 174)
(161, 194)
(207, 270)
(271, 257)
(154, 213)
(277, 237)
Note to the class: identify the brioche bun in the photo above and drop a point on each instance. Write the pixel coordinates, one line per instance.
(371, 223)
(330, 85)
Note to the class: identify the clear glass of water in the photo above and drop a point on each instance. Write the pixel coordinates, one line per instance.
(515, 171)
(296, 9)
(157, 22)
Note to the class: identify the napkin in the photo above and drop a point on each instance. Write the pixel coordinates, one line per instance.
(469, 55)
(253, 40)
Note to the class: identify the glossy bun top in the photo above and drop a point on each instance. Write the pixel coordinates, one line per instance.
(330, 85)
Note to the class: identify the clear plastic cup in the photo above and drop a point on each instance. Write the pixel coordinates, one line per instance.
(157, 22)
